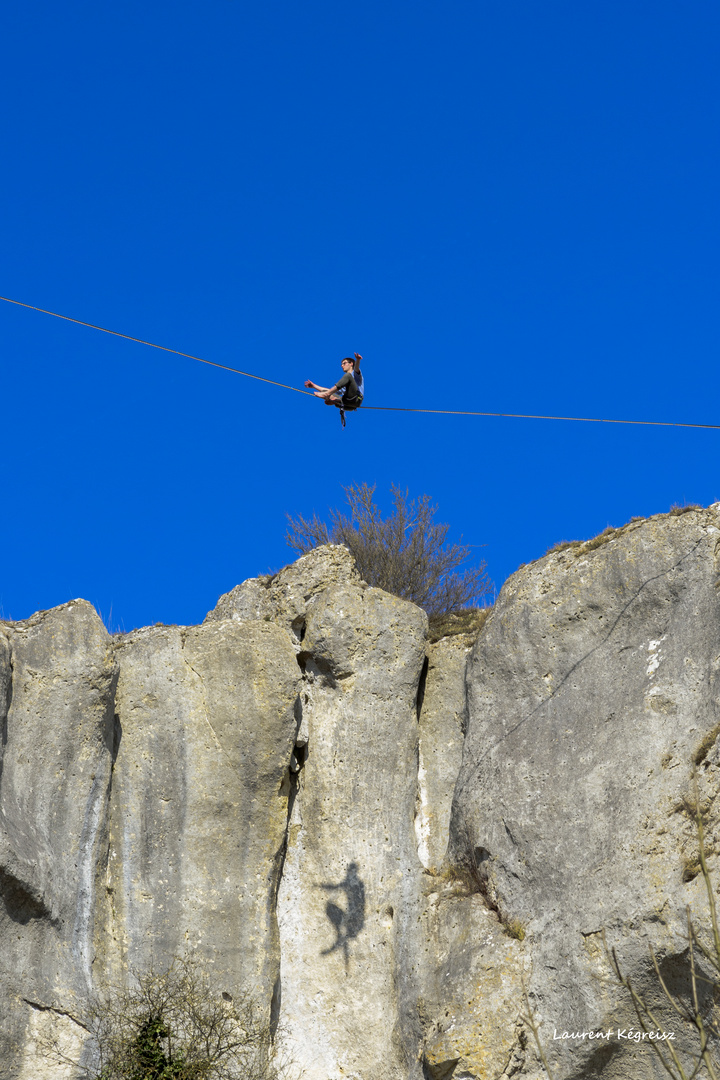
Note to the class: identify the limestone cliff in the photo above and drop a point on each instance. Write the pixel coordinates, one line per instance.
(384, 839)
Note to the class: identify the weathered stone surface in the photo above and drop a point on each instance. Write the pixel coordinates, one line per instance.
(472, 978)
(58, 677)
(199, 803)
(348, 895)
(249, 600)
(283, 597)
(52, 1042)
(442, 722)
(469, 969)
(273, 792)
(592, 692)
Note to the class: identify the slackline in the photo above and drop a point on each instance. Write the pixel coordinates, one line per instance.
(365, 408)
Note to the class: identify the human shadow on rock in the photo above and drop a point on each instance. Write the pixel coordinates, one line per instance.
(347, 921)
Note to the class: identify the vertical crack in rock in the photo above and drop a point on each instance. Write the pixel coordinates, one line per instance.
(93, 838)
(422, 681)
(442, 712)
(289, 787)
(422, 820)
(104, 867)
(81, 943)
(6, 693)
(297, 761)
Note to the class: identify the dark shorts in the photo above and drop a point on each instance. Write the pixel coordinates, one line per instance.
(349, 406)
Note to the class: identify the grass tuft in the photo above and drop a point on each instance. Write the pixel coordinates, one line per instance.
(458, 880)
(580, 547)
(467, 621)
(514, 929)
(563, 545)
(600, 539)
(676, 510)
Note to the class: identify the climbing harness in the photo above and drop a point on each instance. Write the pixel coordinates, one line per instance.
(359, 384)
(373, 408)
(346, 408)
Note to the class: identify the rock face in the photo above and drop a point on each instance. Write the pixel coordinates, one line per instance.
(198, 810)
(58, 676)
(442, 720)
(351, 868)
(389, 842)
(593, 693)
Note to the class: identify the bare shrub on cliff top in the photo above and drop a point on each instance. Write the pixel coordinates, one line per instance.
(172, 1026)
(405, 553)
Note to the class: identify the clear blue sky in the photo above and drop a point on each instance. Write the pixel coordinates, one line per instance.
(504, 206)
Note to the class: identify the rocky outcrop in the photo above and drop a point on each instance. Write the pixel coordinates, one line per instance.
(593, 694)
(442, 721)
(283, 598)
(351, 871)
(58, 680)
(390, 843)
(198, 810)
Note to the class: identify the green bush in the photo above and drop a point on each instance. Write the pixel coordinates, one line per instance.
(172, 1025)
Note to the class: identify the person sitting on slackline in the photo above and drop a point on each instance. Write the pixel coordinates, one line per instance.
(348, 391)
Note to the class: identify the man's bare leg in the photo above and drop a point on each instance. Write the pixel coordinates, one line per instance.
(321, 391)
